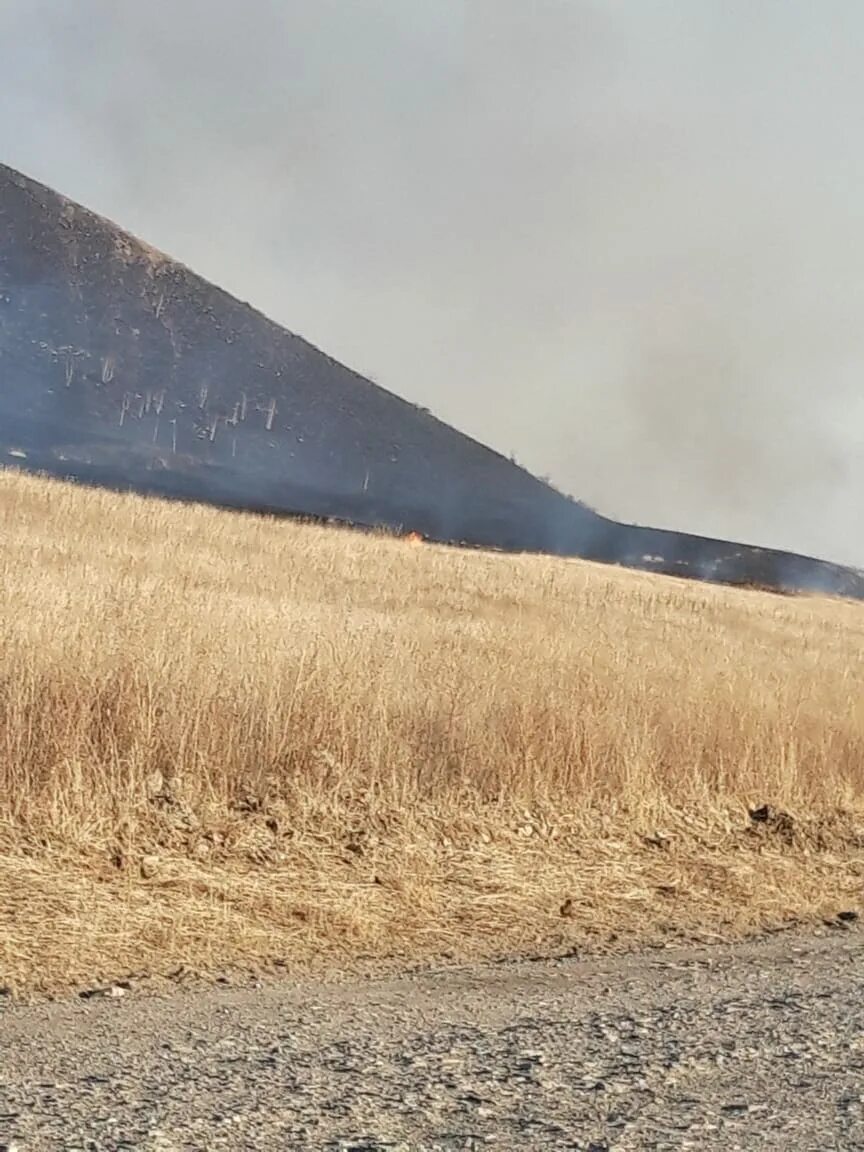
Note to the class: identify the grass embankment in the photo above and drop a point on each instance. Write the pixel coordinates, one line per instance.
(231, 741)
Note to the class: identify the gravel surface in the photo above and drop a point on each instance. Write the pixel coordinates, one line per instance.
(749, 1046)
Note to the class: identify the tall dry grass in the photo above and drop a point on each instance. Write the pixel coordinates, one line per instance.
(228, 740)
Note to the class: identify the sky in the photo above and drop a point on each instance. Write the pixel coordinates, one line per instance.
(623, 241)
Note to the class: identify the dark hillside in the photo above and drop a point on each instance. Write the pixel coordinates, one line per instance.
(121, 367)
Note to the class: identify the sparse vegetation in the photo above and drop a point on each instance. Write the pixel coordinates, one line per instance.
(228, 740)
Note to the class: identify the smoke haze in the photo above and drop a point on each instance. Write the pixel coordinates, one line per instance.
(622, 240)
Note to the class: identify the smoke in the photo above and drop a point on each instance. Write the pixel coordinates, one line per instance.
(623, 241)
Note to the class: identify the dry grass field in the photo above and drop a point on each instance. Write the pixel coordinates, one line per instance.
(234, 742)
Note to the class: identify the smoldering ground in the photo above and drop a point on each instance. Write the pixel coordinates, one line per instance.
(622, 241)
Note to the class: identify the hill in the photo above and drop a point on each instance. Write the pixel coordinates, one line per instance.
(121, 367)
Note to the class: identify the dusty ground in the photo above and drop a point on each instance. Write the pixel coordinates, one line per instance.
(747, 1046)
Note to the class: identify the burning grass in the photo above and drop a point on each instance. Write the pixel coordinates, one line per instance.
(227, 741)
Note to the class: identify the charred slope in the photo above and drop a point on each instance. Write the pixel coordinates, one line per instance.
(120, 367)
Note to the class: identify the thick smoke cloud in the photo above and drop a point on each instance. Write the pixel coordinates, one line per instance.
(623, 240)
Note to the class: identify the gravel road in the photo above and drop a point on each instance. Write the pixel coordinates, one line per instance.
(757, 1046)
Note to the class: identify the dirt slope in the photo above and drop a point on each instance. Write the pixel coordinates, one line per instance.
(121, 367)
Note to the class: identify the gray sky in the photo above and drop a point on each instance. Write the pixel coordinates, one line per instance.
(622, 238)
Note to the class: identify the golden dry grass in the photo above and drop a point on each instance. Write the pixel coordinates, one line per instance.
(232, 741)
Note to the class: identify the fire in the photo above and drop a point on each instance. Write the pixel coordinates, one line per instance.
(414, 538)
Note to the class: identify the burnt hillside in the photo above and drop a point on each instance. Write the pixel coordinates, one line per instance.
(120, 367)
